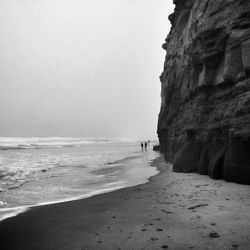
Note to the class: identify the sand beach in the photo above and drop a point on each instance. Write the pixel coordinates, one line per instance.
(172, 211)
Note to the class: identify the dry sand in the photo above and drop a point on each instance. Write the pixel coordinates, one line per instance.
(172, 211)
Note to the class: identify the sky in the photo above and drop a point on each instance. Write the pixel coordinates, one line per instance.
(81, 68)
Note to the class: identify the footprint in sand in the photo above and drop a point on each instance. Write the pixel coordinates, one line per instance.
(158, 219)
(214, 235)
(167, 212)
(164, 247)
(235, 246)
(154, 238)
(222, 208)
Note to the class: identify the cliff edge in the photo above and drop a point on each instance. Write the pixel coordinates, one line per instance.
(204, 121)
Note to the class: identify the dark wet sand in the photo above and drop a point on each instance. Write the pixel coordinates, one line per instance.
(172, 211)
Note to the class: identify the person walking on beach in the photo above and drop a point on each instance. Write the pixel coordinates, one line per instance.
(145, 145)
(141, 146)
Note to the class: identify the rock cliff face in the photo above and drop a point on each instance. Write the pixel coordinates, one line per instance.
(204, 122)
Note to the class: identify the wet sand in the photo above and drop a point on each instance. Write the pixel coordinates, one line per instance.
(172, 211)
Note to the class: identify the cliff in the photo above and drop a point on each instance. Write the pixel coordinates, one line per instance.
(204, 121)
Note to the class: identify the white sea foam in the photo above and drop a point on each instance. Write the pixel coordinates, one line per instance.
(11, 143)
(18, 166)
(47, 175)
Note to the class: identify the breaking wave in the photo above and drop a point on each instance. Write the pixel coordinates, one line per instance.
(11, 143)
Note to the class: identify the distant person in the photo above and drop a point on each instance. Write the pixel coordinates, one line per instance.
(141, 146)
(145, 145)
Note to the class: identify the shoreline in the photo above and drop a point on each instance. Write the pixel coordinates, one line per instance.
(171, 211)
(14, 211)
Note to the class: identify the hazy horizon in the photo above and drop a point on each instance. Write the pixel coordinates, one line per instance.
(81, 68)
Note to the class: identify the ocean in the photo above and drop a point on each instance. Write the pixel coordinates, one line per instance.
(36, 171)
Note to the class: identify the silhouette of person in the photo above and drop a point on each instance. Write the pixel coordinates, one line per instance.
(145, 145)
(141, 146)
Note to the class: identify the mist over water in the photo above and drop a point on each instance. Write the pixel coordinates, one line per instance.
(81, 68)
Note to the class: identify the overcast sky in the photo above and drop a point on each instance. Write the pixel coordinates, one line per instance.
(85, 68)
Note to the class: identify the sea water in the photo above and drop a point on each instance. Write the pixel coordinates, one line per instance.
(35, 171)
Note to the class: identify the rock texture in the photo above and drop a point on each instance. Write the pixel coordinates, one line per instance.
(204, 122)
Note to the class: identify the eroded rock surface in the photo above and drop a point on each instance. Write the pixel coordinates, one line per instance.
(204, 122)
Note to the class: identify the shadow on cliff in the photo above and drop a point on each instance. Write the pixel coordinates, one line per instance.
(229, 161)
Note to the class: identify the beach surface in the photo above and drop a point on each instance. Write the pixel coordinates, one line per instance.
(172, 211)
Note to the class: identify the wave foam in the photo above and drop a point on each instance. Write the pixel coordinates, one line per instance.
(12, 143)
